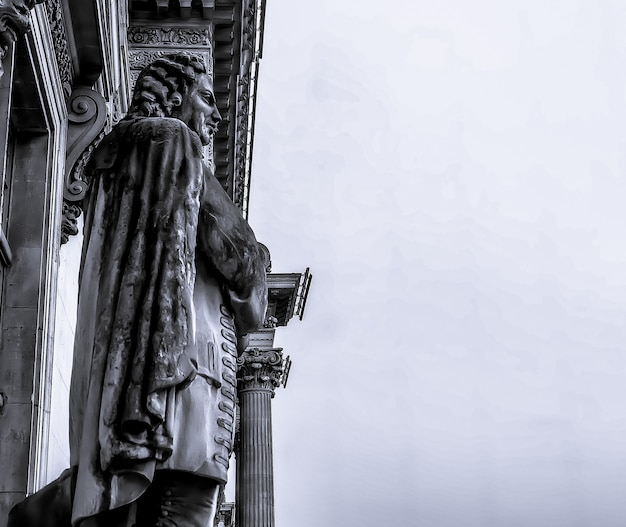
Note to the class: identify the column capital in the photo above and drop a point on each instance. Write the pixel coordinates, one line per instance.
(260, 370)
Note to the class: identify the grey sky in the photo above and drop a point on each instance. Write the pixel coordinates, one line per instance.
(454, 173)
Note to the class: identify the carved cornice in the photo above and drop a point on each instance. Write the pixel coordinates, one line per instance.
(260, 370)
(59, 38)
(241, 141)
(250, 54)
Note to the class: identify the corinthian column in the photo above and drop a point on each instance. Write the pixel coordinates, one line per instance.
(260, 372)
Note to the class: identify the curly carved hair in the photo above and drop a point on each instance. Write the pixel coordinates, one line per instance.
(163, 83)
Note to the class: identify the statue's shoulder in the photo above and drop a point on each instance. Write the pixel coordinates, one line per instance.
(143, 132)
(145, 128)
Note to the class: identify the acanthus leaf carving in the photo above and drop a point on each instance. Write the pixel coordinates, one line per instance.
(260, 369)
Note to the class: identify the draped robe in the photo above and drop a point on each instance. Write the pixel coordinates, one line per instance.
(171, 274)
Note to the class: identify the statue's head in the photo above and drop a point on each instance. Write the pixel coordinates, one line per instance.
(177, 86)
(14, 19)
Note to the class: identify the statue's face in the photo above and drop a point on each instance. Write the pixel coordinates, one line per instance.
(198, 109)
(14, 19)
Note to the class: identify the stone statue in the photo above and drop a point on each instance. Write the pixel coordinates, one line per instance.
(14, 21)
(172, 279)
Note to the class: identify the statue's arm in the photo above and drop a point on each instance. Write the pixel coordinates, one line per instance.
(229, 244)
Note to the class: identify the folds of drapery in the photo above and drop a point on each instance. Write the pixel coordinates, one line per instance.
(151, 201)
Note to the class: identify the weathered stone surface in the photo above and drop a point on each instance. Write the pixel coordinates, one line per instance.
(14, 437)
(18, 350)
(23, 278)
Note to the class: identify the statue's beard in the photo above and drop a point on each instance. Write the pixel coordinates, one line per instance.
(204, 129)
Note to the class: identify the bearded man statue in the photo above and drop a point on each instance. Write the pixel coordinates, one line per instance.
(172, 279)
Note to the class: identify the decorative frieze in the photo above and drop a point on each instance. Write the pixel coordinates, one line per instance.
(260, 370)
(170, 36)
(138, 58)
(149, 43)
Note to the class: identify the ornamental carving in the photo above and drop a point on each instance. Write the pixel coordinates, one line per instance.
(241, 175)
(270, 322)
(115, 113)
(139, 58)
(159, 36)
(69, 225)
(86, 118)
(54, 11)
(260, 370)
(249, 17)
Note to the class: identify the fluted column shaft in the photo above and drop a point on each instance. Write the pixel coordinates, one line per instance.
(259, 374)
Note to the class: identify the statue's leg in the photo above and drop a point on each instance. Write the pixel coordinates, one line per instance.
(178, 499)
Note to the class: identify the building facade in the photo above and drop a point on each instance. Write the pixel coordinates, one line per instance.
(66, 77)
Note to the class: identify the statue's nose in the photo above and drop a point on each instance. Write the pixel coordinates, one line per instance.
(217, 116)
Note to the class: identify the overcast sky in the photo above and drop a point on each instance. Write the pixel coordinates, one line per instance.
(454, 173)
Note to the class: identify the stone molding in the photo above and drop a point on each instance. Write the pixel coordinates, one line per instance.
(260, 370)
